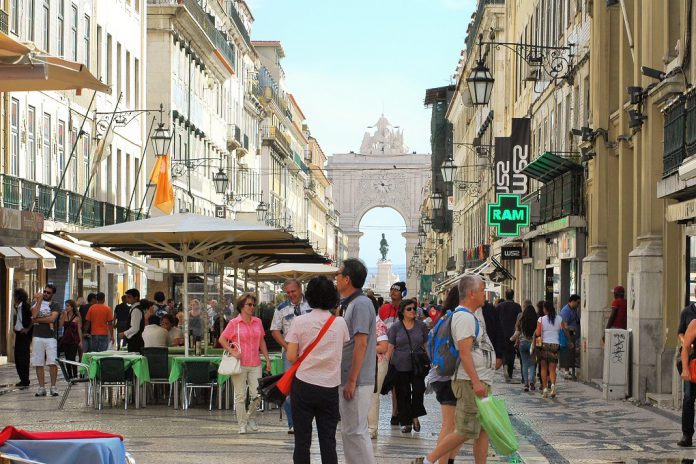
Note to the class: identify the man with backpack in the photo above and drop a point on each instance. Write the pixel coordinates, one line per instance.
(687, 315)
(474, 373)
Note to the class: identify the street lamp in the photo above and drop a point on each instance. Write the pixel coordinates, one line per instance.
(160, 139)
(261, 210)
(437, 200)
(480, 83)
(220, 180)
(427, 224)
(421, 234)
(448, 170)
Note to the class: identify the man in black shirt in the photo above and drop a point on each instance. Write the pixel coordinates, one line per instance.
(86, 337)
(508, 311)
(687, 315)
(494, 331)
(121, 313)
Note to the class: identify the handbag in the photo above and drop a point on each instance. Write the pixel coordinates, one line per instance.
(284, 381)
(268, 389)
(419, 359)
(389, 378)
(231, 365)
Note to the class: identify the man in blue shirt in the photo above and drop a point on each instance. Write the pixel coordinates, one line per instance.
(570, 316)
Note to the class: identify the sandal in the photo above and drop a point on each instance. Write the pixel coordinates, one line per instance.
(416, 425)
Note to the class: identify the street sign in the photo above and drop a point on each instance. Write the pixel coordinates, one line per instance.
(508, 215)
(511, 252)
(220, 211)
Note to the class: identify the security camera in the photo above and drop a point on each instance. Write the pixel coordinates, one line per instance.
(635, 119)
(651, 72)
(636, 94)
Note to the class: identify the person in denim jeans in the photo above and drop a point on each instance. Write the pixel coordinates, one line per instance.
(526, 325)
(99, 324)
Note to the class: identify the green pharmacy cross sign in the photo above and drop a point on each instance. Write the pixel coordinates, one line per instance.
(508, 215)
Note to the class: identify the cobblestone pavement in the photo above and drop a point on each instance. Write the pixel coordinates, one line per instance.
(576, 427)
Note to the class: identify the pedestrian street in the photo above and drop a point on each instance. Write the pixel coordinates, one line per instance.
(576, 427)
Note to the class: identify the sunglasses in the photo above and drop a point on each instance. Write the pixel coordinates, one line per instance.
(409, 308)
(249, 303)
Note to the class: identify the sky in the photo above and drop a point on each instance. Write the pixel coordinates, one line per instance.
(347, 62)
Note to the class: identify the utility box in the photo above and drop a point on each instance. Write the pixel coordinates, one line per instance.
(617, 360)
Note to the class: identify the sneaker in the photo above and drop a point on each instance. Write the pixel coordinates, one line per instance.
(291, 431)
(41, 392)
(545, 393)
(532, 387)
(242, 429)
(54, 390)
(406, 429)
(252, 426)
(22, 384)
(526, 388)
(553, 390)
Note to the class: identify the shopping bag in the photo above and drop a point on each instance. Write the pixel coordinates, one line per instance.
(495, 421)
(562, 340)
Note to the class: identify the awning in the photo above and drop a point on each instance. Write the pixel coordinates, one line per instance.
(84, 253)
(31, 259)
(11, 257)
(153, 273)
(48, 258)
(549, 166)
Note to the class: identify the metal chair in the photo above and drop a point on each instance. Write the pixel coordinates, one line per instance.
(112, 374)
(158, 364)
(73, 380)
(198, 375)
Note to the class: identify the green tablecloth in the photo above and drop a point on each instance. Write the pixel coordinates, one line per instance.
(209, 351)
(177, 365)
(137, 362)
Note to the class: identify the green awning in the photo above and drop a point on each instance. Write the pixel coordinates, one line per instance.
(549, 166)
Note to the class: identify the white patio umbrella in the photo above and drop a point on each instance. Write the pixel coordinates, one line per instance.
(189, 236)
(300, 271)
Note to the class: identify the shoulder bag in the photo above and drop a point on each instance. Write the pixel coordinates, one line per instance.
(231, 365)
(419, 359)
(278, 386)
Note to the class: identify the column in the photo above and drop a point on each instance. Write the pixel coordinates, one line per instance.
(411, 282)
(353, 243)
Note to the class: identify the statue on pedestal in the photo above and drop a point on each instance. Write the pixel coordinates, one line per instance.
(383, 247)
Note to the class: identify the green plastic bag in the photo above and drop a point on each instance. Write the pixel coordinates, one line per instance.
(493, 415)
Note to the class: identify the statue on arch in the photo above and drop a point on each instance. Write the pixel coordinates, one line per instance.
(383, 247)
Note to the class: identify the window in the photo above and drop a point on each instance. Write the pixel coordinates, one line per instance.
(85, 161)
(31, 13)
(61, 148)
(118, 69)
(31, 143)
(136, 87)
(128, 80)
(129, 179)
(74, 32)
(14, 14)
(46, 25)
(109, 61)
(14, 138)
(87, 31)
(61, 27)
(119, 178)
(75, 165)
(99, 52)
(47, 178)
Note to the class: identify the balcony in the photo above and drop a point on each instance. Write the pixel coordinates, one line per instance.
(234, 137)
(4, 25)
(239, 23)
(560, 197)
(273, 137)
(25, 195)
(676, 117)
(472, 30)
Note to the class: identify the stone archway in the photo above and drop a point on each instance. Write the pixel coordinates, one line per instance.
(383, 174)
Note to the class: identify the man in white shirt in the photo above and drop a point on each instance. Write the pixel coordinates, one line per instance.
(474, 375)
(283, 316)
(154, 335)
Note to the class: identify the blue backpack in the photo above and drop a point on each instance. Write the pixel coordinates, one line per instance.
(442, 348)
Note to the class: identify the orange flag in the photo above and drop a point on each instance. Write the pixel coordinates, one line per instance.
(164, 191)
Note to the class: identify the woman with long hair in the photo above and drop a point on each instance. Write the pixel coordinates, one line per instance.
(408, 337)
(549, 328)
(71, 340)
(243, 338)
(527, 324)
(22, 325)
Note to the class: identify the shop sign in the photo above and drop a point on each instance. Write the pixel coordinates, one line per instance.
(511, 157)
(511, 252)
(220, 211)
(566, 244)
(508, 215)
(681, 211)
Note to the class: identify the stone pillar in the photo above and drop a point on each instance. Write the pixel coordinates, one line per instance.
(353, 243)
(593, 302)
(411, 282)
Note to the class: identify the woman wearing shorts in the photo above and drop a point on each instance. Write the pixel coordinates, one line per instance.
(549, 328)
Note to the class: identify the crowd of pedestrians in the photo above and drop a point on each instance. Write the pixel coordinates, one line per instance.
(356, 349)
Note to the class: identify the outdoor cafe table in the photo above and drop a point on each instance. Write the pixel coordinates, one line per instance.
(177, 370)
(136, 362)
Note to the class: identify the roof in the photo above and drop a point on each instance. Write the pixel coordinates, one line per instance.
(549, 166)
(437, 94)
(269, 43)
(292, 97)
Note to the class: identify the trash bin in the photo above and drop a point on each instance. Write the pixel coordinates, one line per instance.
(617, 360)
